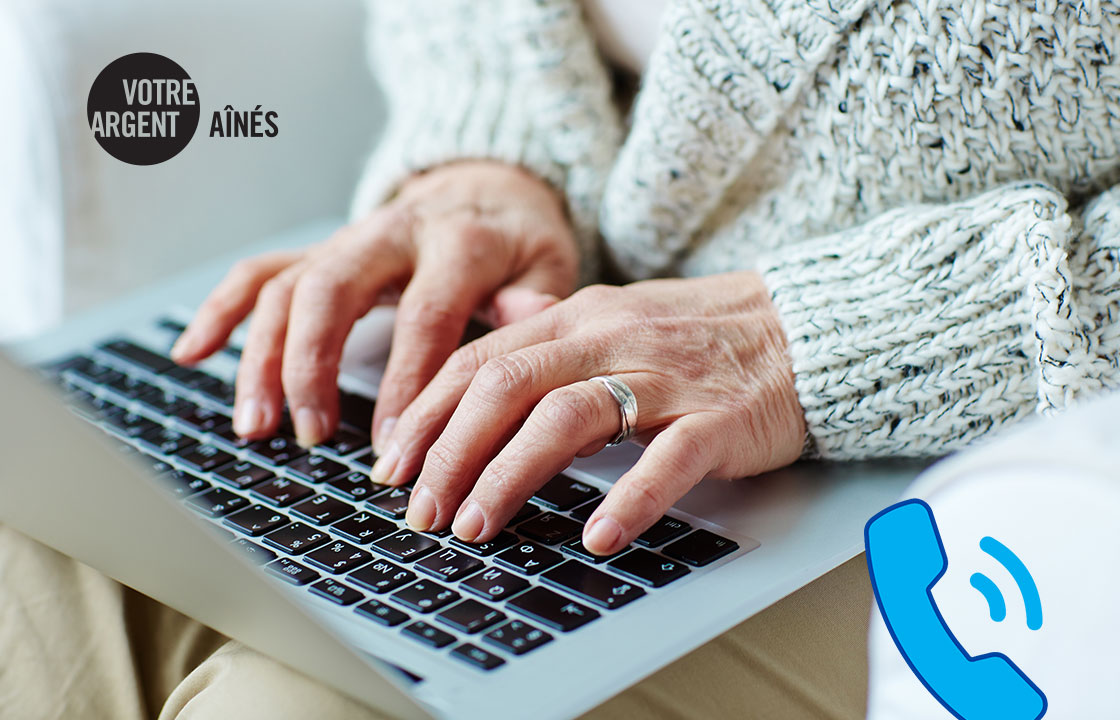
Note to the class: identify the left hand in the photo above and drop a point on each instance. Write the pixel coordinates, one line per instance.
(706, 359)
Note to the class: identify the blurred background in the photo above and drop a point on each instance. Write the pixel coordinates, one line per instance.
(78, 227)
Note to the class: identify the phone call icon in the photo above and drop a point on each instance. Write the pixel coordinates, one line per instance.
(906, 558)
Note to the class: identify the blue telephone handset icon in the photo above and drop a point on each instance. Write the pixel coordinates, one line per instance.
(906, 558)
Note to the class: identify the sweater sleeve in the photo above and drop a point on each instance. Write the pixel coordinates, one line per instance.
(509, 80)
(927, 327)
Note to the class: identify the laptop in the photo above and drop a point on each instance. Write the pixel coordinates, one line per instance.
(119, 458)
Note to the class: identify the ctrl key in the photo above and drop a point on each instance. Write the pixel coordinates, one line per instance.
(381, 613)
(428, 634)
(291, 571)
(517, 637)
(476, 656)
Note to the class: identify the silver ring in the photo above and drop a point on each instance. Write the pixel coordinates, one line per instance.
(627, 407)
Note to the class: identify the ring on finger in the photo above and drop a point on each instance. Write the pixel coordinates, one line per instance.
(627, 407)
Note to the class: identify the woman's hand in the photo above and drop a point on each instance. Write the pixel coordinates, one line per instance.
(464, 238)
(706, 359)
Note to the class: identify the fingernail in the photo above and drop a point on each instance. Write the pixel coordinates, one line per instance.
(469, 522)
(421, 510)
(311, 426)
(602, 536)
(383, 469)
(383, 432)
(249, 417)
(182, 346)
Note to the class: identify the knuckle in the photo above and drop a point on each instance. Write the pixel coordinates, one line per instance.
(595, 295)
(571, 408)
(296, 374)
(321, 289)
(510, 374)
(466, 360)
(441, 462)
(427, 316)
(275, 292)
(245, 271)
(646, 496)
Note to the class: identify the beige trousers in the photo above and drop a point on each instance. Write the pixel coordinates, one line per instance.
(76, 645)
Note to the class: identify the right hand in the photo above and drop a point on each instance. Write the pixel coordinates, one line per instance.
(465, 238)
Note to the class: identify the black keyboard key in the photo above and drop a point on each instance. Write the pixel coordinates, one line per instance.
(356, 411)
(132, 425)
(171, 325)
(231, 438)
(256, 520)
(529, 558)
(583, 512)
(137, 355)
(336, 592)
(355, 486)
(166, 441)
(338, 557)
(662, 531)
(649, 568)
(382, 614)
(500, 542)
(550, 529)
(202, 419)
(476, 656)
(593, 585)
(254, 552)
(527, 511)
(425, 596)
(564, 493)
(517, 637)
(391, 504)
(407, 545)
(552, 609)
(217, 502)
(470, 616)
(190, 378)
(346, 442)
(283, 492)
(365, 527)
(315, 468)
(292, 571)
(243, 474)
(204, 458)
(279, 450)
(382, 576)
(165, 402)
(495, 584)
(364, 461)
(322, 509)
(183, 484)
(429, 635)
(297, 538)
(576, 548)
(700, 548)
(129, 386)
(450, 565)
(219, 391)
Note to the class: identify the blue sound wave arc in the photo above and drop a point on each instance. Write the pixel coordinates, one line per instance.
(1020, 574)
(997, 608)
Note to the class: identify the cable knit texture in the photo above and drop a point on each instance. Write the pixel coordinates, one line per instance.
(915, 180)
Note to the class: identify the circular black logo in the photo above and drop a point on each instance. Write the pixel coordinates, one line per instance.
(143, 109)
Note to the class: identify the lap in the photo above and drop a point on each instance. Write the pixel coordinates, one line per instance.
(77, 644)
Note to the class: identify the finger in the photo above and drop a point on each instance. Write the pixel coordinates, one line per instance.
(565, 421)
(424, 419)
(431, 317)
(677, 458)
(228, 304)
(501, 396)
(259, 396)
(539, 288)
(329, 297)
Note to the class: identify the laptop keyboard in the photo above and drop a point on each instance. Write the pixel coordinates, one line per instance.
(313, 519)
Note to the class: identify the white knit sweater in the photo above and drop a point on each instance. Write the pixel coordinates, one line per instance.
(911, 177)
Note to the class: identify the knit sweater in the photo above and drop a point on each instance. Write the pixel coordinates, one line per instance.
(914, 179)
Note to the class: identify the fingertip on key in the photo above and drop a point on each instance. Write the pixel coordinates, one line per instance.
(469, 523)
(385, 465)
(421, 511)
(248, 417)
(602, 536)
(310, 426)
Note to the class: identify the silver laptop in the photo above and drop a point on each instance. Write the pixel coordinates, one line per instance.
(117, 457)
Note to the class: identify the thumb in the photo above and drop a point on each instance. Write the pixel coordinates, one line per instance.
(514, 303)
